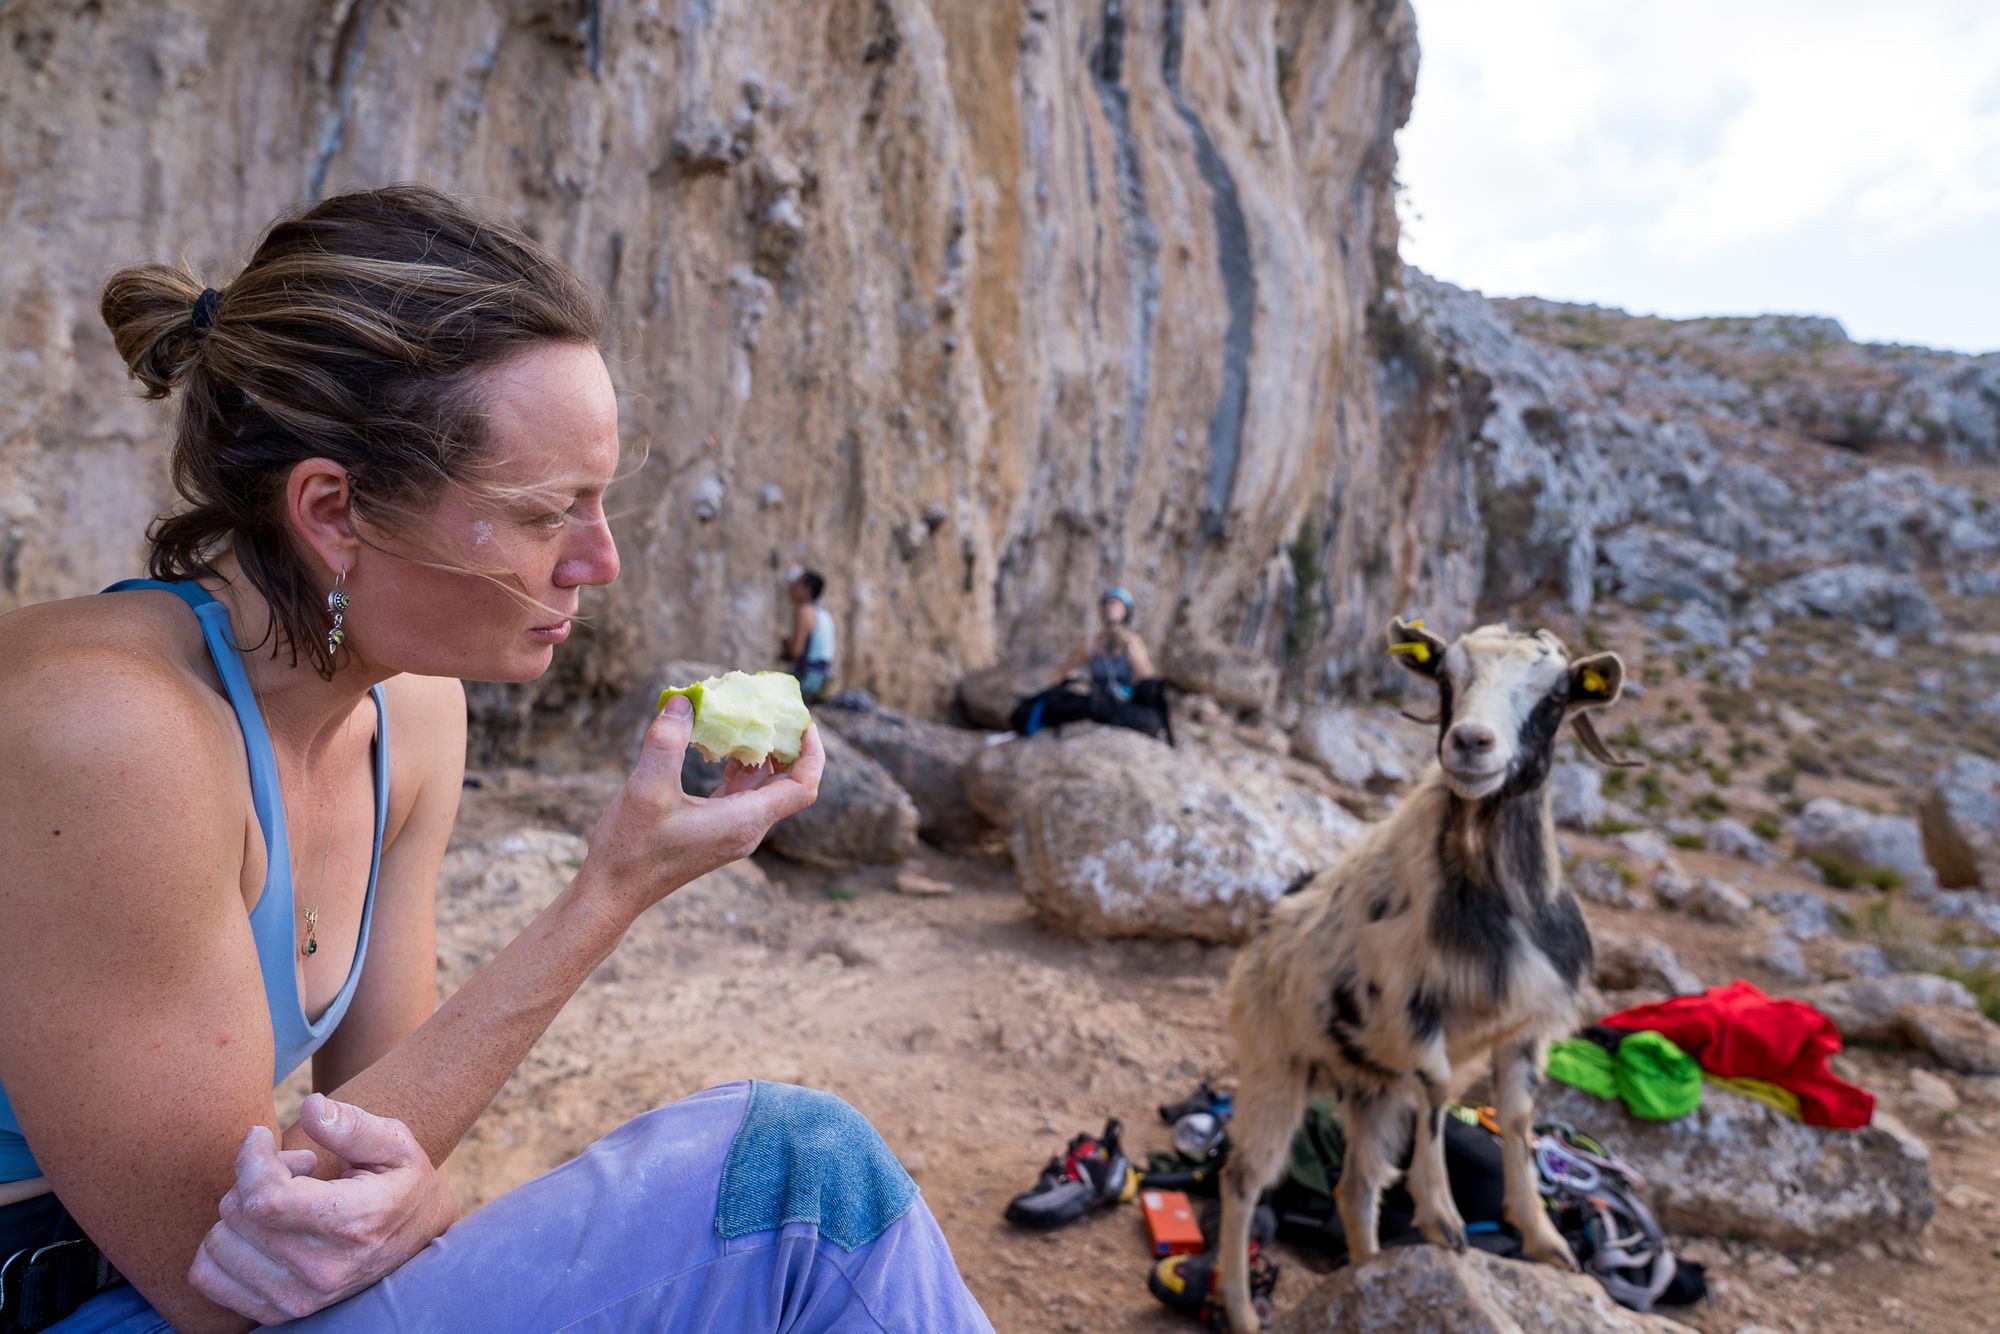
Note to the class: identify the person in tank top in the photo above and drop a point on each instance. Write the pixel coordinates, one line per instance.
(228, 791)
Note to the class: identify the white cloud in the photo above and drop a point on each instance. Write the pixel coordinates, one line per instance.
(1701, 157)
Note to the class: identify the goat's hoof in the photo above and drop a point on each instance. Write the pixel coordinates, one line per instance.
(1446, 1232)
(1550, 1249)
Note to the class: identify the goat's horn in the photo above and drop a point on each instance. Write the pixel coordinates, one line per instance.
(1431, 721)
(1586, 732)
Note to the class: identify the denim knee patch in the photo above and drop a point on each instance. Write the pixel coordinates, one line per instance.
(804, 1156)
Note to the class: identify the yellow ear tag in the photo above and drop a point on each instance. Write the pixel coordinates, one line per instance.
(1593, 682)
(1416, 648)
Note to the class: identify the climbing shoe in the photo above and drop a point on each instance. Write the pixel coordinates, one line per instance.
(1186, 1283)
(1093, 1173)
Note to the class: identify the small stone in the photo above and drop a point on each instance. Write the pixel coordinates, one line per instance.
(1783, 957)
(1963, 1196)
(1934, 1094)
(918, 885)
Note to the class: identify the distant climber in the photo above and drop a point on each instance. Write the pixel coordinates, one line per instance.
(1108, 679)
(811, 649)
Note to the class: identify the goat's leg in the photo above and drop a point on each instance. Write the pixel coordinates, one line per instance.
(1269, 1105)
(1373, 1121)
(1438, 1217)
(1516, 1072)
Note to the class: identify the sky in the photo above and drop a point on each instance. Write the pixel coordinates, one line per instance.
(1688, 157)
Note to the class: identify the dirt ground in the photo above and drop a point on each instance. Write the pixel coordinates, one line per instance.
(978, 1044)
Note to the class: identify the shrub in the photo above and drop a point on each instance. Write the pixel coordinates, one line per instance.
(1685, 840)
(1653, 791)
(1982, 982)
(1768, 827)
(1710, 806)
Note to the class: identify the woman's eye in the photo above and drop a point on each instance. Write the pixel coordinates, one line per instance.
(553, 520)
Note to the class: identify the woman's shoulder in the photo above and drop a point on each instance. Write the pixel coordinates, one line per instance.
(113, 669)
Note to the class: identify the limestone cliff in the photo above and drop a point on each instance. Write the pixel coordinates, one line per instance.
(974, 305)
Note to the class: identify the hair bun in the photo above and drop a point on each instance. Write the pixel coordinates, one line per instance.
(150, 310)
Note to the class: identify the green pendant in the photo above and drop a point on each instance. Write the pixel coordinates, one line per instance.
(312, 947)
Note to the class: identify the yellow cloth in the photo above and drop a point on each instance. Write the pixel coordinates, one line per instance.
(1762, 1090)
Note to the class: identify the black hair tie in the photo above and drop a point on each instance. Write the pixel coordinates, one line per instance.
(205, 305)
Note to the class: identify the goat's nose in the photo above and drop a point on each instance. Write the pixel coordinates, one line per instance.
(1472, 738)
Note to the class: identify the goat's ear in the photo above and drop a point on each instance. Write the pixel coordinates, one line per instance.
(1595, 681)
(1415, 647)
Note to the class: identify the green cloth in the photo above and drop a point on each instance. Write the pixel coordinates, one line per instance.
(1657, 1080)
(1583, 1064)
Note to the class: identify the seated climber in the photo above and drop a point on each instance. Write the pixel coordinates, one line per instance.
(1108, 679)
(810, 649)
(395, 434)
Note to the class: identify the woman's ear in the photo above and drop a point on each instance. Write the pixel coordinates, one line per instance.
(1415, 647)
(319, 500)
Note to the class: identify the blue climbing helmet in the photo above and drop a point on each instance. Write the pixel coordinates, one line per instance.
(1117, 594)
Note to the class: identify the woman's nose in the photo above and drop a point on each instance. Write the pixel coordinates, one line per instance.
(595, 564)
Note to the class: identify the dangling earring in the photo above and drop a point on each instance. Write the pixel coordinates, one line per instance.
(336, 605)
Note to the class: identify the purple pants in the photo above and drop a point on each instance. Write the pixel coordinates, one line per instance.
(657, 1227)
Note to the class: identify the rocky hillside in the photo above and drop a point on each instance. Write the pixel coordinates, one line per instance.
(976, 307)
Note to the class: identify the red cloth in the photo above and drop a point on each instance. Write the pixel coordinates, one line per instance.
(1737, 1031)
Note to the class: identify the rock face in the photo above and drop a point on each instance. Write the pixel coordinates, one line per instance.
(1115, 834)
(862, 815)
(1734, 1167)
(1843, 838)
(1363, 748)
(927, 760)
(1960, 819)
(1428, 1287)
(827, 233)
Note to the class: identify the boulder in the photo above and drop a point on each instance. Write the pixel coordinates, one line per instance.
(988, 696)
(863, 815)
(1714, 900)
(1735, 1167)
(1628, 963)
(1601, 880)
(1116, 834)
(1962, 1040)
(926, 759)
(1802, 914)
(1864, 594)
(1781, 955)
(1645, 844)
(1733, 838)
(1470, 1292)
(1844, 839)
(1960, 821)
(1870, 1009)
(1576, 791)
(1363, 748)
(1241, 678)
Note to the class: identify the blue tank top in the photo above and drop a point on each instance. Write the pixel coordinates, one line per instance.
(271, 921)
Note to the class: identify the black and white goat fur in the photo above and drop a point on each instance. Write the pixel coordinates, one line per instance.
(1443, 933)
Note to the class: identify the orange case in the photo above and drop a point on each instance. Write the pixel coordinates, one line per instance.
(1170, 1221)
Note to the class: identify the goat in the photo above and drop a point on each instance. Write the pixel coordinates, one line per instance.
(1445, 931)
